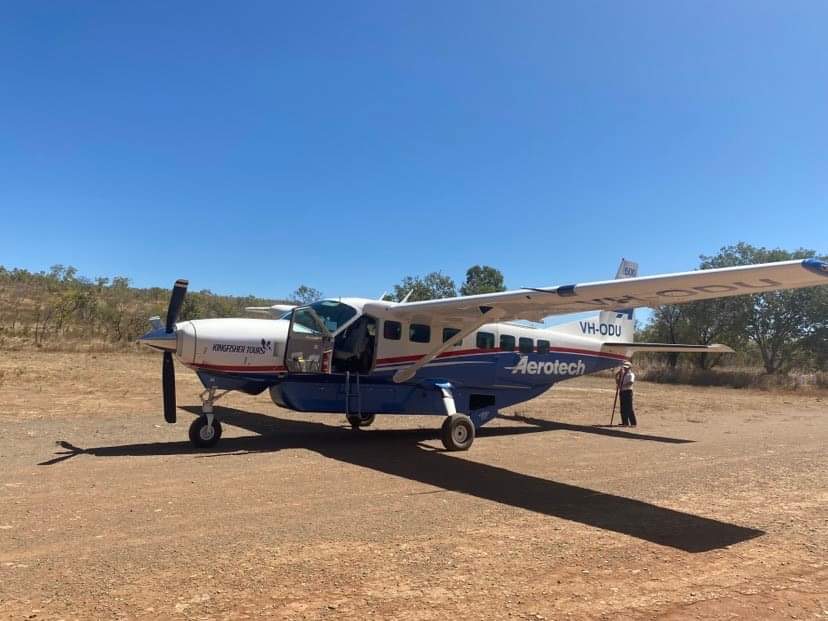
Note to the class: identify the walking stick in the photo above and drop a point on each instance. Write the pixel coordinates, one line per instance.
(614, 402)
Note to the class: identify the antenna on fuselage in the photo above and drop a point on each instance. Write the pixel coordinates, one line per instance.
(407, 295)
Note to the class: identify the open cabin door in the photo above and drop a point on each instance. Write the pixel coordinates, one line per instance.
(309, 344)
(355, 348)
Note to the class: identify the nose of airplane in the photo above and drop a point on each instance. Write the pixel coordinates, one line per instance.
(159, 339)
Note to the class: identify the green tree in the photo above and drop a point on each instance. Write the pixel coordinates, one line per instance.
(777, 322)
(782, 324)
(667, 325)
(432, 286)
(482, 279)
(306, 295)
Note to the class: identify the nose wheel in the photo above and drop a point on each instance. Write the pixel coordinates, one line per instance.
(360, 420)
(205, 431)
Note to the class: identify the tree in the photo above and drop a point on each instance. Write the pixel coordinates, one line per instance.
(432, 286)
(816, 343)
(778, 322)
(782, 324)
(666, 326)
(306, 295)
(712, 321)
(482, 279)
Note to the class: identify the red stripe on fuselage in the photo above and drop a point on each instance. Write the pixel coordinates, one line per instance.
(412, 358)
(236, 368)
(497, 350)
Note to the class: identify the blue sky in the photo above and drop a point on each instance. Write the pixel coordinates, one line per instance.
(255, 146)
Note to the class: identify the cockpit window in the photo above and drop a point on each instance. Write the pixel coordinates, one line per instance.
(334, 314)
(307, 322)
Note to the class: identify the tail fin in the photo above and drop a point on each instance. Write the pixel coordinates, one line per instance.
(607, 326)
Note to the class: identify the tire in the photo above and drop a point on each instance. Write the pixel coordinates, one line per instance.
(366, 420)
(457, 432)
(200, 435)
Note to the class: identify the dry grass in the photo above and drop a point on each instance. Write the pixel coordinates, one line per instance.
(67, 345)
(734, 377)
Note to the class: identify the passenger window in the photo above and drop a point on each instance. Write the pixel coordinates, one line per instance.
(525, 345)
(419, 333)
(485, 340)
(543, 347)
(392, 330)
(450, 332)
(507, 342)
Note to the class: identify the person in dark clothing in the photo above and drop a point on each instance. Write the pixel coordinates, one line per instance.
(625, 379)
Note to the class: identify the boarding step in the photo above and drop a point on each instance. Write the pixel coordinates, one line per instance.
(352, 391)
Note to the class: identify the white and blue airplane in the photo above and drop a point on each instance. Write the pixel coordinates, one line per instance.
(461, 358)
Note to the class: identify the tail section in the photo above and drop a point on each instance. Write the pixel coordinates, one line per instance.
(615, 329)
(614, 326)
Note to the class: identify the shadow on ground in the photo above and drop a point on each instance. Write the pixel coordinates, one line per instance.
(401, 453)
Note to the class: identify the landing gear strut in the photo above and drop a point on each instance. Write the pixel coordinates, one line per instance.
(457, 432)
(205, 431)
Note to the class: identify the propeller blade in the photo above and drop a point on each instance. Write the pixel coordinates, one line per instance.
(168, 381)
(176, 300)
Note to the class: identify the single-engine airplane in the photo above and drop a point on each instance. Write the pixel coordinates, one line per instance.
(461, 358)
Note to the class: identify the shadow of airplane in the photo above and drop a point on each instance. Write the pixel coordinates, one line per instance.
(400, 453)
(601, 430)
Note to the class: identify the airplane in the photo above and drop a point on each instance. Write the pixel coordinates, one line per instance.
(461, 358)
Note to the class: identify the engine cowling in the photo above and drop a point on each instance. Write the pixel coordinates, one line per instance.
(232, 344)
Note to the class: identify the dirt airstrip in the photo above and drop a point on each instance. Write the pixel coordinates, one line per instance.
(716, 506)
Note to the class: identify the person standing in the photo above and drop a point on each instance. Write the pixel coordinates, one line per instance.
(625, 379)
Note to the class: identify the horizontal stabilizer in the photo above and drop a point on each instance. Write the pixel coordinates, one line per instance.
(631, 348)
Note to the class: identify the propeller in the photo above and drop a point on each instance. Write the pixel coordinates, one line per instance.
(167, 367)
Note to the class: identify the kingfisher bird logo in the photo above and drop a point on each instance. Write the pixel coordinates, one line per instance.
(266, 345)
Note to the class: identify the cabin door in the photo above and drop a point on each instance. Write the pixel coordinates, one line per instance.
(355, 348)
(308, 347)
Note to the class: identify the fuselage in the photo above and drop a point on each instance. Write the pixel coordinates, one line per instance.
(326, 356)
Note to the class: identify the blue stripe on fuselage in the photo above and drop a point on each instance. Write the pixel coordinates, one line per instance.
(512, 377)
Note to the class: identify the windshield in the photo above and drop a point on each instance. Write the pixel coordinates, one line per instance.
(333, 314)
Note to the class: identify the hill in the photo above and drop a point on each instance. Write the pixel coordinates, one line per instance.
(60, 310)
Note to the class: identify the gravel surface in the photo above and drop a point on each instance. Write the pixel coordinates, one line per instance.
(714, 507)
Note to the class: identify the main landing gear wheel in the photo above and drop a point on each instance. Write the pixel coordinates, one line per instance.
(356, 421)
(204, 435)
(457, 432)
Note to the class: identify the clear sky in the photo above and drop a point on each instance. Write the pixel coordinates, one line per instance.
(255, 146)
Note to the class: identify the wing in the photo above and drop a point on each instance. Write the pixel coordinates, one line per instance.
(535, 304)
(470, 312)
(276, 311)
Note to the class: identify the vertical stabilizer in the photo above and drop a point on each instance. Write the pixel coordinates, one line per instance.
(608, 326)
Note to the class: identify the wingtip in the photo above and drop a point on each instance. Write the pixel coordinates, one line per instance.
(817, 266)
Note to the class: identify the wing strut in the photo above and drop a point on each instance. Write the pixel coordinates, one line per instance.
(487, 315)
